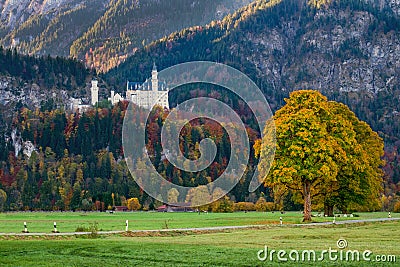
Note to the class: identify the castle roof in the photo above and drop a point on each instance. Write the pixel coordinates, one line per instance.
(146, 86)
(134, 85)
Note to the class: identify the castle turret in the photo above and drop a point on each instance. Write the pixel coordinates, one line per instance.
(95, 92)
(112, 97)
(154, 78)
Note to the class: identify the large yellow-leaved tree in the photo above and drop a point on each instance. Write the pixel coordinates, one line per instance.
(323, 152)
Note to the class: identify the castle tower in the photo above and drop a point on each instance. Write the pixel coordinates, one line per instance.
(112, 97)
(95, 92)
(154, 78)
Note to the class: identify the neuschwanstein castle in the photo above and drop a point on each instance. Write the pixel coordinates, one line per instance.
(152, 91)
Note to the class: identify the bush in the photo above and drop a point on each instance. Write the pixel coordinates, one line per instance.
(397, 207)
(244, 206)
(222, 205)
(270, 206)
(93, 228)
(133, 204)
(81, 228)
(262, 205)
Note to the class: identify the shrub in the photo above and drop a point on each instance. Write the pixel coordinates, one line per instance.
(222, 205)
(81, 228)
(133, 204)
(397, 207)
(270, 206)
(261, 204)
(244, 206)
(93, 228)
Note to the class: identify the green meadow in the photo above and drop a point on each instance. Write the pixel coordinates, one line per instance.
(225, 248)
(42, 222)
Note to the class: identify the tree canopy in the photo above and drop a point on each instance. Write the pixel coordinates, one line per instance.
(323, 152)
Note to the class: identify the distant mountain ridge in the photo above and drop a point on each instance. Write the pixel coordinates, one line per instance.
(16, 12)
(47, 27)
(100, 32)
(129, 25)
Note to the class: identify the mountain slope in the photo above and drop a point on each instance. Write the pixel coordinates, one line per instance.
(101, 32)
(129, 24)
(53, 30)
(14, 13)
(34, 81)
(349, 50)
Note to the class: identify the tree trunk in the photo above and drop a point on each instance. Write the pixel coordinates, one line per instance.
(343, 207)
(344, 210)
(328, 210)
(307, 201)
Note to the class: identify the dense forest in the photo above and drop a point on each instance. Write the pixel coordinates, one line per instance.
(48, 72)
(75, 157)
(79, 159)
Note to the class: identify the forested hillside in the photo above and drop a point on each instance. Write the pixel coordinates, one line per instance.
(43, 28)
(101, 32)
(47, 71)
(131, 24)
(39, 81)
(79, 158)
(349, 50)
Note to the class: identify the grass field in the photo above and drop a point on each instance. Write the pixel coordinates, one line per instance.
(229, 248)
(225, 248)
(69, 221)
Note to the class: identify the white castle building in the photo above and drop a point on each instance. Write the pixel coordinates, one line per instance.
(152, 91)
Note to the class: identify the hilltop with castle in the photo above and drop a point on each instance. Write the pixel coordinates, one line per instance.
(151, 92)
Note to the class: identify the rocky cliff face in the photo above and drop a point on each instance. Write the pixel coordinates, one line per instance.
(345, 55)
(46, 27)
(352, 55)
(15, 91)
(394, 5)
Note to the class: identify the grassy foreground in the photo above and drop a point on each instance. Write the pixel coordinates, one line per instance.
(69, 221)
(231, 248)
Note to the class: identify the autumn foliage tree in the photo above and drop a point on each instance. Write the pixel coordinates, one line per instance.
(133, 204)
(323, 152)
(3, 198)
(359, 175)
